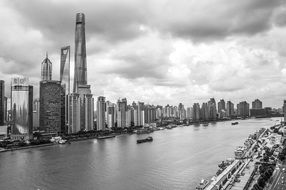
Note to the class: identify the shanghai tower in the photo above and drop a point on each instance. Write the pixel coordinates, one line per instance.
(81, 102)
(80, 76)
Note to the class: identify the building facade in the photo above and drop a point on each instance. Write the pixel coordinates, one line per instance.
(22, 108)
(101, 108)
(2, 103)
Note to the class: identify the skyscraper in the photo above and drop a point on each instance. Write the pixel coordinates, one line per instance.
(46, 73)
(22, 108)
(243, 109)
(229, 109)
(196, 112)
(212, 109)
(80, 52)
(52, 97)
(121, 112)
(101, 107)
(81, 91)
(2, 104)
(65, 68)
(256, 104)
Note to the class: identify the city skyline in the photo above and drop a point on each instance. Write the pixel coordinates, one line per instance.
(186, 62)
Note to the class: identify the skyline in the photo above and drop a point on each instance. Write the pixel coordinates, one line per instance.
(187, 63)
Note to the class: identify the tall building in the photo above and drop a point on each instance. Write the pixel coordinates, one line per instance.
(229, 109)
(52, 98)
(81, 88)
(36, 114)
(65, 69)
(205, 113)
(243, 109)
(196, 112)
(101, 107)
(22, 108)
(110, 115)
(284, 110)
(73, 113)
(257, 104)
(212, 109)
(121, 112)
(46, 73)
(221, 108)
(80, 52)
(2, 103)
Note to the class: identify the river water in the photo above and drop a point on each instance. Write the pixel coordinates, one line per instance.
(176, 159)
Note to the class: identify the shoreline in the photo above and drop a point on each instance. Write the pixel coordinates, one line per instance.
(92, 137)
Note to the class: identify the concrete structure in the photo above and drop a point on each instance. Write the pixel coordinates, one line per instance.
(196, 112)
(243, 109)
(81, 89)
(205, 113)
(212, 109)
(229, 109)
(52, 102)
(65, 69)
(121, 112)
(73, 113)
(101, 107)
(22, 108)
(46, 69)
(256, 104)
(110, 117)
(221, 108)
(2, 102)
(36, 114)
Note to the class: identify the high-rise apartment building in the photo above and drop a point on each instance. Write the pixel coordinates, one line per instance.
(101, 107)
(121, 112)
(229, 109)
(243, 109)
(257, 104)
(2, 102)
(22, 108)
(196, 112)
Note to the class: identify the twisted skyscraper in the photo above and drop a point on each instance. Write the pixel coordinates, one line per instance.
(80, 101)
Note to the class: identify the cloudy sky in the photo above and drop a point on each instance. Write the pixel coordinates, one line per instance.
(156, 51)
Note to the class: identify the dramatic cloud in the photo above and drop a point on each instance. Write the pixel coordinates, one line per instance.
(158, 51)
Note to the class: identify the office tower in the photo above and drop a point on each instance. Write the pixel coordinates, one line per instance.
(221, 108)
(101, 107)
(80, 52)
(181, 111)
(5, 109)
(2, 102)
(46, 73)
(36, 114)
(52, 97)
(82, 92)
(196, 112)
(257, 104)
(22, 108)
(65, 68)
(9, 112)
(243, 109)
(205, 113)
(121, 112)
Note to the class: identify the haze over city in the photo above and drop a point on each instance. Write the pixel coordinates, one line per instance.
(159, 52)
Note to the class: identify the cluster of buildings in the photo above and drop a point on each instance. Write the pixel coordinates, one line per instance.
(58, 110)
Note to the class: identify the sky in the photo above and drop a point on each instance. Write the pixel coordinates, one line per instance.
(156, 51)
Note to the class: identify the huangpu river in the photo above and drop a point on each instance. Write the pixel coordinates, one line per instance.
(176, 159)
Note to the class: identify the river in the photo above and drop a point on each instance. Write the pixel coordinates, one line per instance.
(176, 159)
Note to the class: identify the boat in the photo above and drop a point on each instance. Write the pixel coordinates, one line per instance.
(148, 139)
(234, 123)
(62, 141)
(106, 137)
(203, 184)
